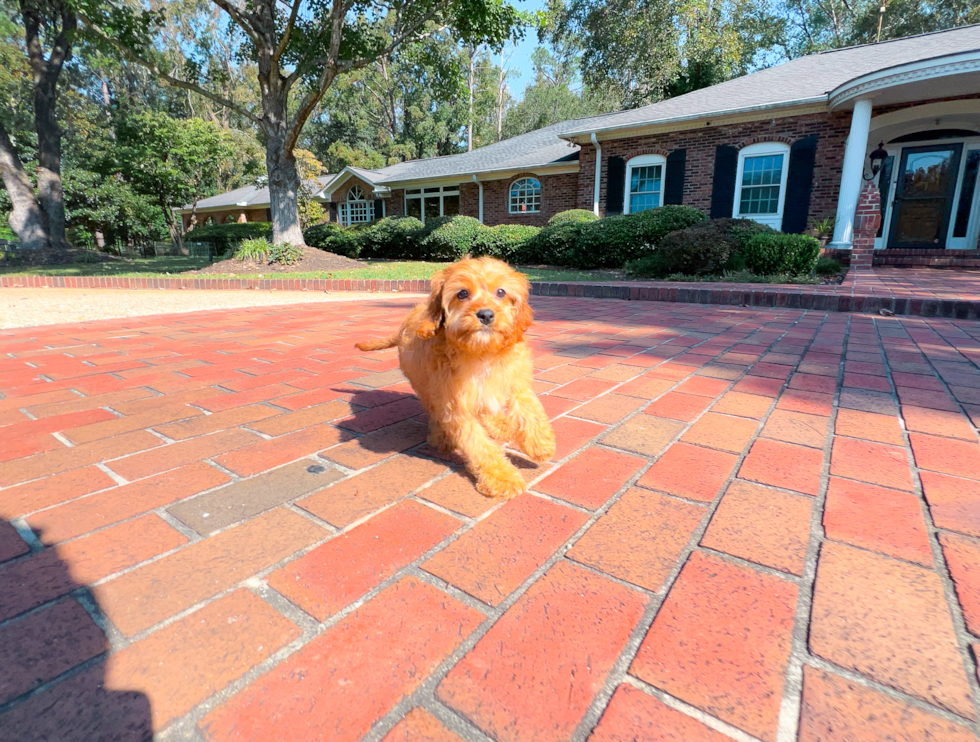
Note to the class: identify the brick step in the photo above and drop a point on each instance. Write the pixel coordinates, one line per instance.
(824, 299)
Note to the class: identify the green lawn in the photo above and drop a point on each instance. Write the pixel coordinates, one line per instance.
(170, 266)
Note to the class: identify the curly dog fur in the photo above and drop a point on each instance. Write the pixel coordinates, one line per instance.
(464, 354)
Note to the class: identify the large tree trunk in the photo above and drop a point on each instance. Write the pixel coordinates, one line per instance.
(25, 218)
(284, 185)
(50, 192)
(57, 17)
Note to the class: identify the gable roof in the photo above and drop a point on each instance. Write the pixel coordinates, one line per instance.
(246, 197)
(808, 79)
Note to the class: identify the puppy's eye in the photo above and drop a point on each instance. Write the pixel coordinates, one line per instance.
(501, 293)
(464, 294)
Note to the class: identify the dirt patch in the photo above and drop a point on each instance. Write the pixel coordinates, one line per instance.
(313, 260)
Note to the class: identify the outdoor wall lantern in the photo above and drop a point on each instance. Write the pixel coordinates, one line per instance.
(877, 158)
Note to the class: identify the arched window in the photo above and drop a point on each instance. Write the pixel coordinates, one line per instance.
(760, 183)
(644, 183)
(525, 196)
(356, 209)
(229, 219)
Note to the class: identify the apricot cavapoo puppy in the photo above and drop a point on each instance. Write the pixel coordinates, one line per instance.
(464, 354)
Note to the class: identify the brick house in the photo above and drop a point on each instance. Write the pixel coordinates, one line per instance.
(785, 145)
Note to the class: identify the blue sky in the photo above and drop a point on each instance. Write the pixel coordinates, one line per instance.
(520, 56)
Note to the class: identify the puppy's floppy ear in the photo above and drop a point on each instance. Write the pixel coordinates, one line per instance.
(434, 315)
(524, 316)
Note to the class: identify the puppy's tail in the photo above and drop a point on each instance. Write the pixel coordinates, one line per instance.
(380, 344)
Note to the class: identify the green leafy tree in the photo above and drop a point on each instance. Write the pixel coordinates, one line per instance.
(297, 50)
(556, 94)
(48, 28)
(655, 50)
(818, 25)
(174, 161)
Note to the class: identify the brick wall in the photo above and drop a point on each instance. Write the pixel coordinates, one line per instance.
(558, 193)
(700, 144)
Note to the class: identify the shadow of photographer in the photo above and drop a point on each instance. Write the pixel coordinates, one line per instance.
(53, 680)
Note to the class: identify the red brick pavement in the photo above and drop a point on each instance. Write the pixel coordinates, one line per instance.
(761, 524)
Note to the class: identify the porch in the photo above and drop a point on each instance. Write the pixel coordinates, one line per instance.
(915, 134)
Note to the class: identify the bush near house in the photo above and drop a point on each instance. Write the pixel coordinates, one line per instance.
(449, 237)
(331, 237)
(394, 237)
(707, 247)
(792, 254)
(572, 216)
(505, 241)
(614, 241)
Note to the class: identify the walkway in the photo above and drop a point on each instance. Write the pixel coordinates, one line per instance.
(760, 525)
(914, 292)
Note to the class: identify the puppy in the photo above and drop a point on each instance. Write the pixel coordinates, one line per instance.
(464, 354)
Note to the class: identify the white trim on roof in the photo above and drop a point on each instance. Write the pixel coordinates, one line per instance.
(368, 176)
(696, 116)
(926, 69)
(464, 176)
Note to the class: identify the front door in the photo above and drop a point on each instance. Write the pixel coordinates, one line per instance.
(924, 196)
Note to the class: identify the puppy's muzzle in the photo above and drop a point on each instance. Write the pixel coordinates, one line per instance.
(485, 316)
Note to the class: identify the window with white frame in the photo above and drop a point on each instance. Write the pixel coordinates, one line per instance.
(356, 209)
(644, 183)
(431, 203)
(760, 183)
(525, 196)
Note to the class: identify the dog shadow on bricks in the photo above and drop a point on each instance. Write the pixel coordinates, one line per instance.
(55, 681)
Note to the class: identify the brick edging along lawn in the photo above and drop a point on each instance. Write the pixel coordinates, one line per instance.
(830, 299)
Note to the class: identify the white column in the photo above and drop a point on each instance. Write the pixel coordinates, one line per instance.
(852, 174)
(598, 175)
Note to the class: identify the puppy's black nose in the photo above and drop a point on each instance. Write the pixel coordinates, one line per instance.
(485, 316)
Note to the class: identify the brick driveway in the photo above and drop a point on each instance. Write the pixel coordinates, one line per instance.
(226, 526)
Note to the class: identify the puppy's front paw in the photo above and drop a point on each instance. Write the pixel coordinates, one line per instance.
(440, 442)
(540, 446)
(501, 484)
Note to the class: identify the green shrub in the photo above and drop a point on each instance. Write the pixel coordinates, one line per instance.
(505, 241)
(255, 249)
(791, 254)
(449, 237)
(616, 240)
(552, 245)
(394, 237)
(649, 266)
(828, 267)
(229, 236)
(285, 254)
(331, 237)
(708, 247)
(572, 216)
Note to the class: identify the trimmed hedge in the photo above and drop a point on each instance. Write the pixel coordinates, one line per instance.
(708, 247)
(394, 237)
(791, 254)
(572, 216)
(227, 237)
(331, 237)
(505, 241)
(449, 237)
(616, 240)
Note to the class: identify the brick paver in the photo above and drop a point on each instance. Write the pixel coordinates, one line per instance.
(760, 524)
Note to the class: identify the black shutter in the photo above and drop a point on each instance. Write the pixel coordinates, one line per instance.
(799, 184)
(674, 180)
(333, 213)
(615, 182)
(723, 183)
(378, 209)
